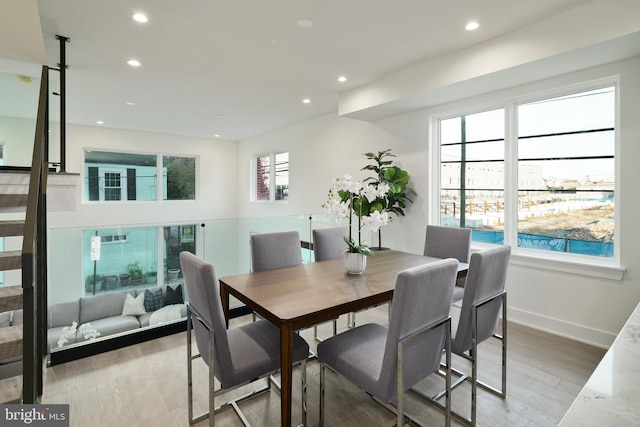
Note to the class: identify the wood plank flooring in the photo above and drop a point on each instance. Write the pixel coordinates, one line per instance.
(146, 385)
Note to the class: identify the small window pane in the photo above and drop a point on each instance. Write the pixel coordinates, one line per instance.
(180, 178)
(125, 259)
(119, 176)
(263, 172)
(282, 176)
(472, 174)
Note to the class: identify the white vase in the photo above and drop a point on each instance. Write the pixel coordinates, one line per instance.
(173, 274)
(355, 263)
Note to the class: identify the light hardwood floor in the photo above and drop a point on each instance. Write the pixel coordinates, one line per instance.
(146, 385)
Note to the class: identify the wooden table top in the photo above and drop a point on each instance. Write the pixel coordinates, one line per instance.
(307, 294)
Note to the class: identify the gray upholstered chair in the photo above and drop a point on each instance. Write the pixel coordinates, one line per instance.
(385, 363)
(328, 243)
(476, 321)
(236, 356)
(449, 242)
(275, 250)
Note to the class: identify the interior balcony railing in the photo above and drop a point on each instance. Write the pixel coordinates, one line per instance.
(91, 269)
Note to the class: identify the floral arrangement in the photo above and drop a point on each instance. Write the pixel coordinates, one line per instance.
(348, 197)
(85, 329)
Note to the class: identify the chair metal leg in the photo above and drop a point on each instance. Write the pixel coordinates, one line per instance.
(303, 375)
(315, 331)
(321, 407)
(473, 358)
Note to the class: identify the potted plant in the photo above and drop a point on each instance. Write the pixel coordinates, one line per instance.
(173, 268)
(93, 283)
(396, 181)
(348, 198)
(135, 272)
(151, 276)
(124, 279)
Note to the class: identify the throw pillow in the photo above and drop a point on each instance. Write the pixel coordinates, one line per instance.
(5, 319)
(153, 300)
(133, 306)
(173, 296)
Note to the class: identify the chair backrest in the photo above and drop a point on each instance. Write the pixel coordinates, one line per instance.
(486, 278)
(422, 298)
(275, 250)
(204, 295)
(448, 242)
(328, 243)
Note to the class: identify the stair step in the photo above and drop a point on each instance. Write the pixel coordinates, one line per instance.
(10, 298)
(10, 342)
(10, 260)
(10, 200)
(11, 228)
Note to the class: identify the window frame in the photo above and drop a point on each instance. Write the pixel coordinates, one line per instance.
(160, 175)
(272, 177)
(608, 268)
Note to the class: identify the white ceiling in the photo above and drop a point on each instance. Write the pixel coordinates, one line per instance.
(237, 68)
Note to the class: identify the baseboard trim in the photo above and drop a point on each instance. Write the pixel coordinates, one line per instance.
(561, 328)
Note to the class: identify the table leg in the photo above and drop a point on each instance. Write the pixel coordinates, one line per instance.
(224, 297)
(286, 372)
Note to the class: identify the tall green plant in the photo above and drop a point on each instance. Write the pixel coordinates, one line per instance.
(395, 200)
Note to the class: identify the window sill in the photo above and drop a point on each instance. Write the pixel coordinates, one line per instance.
(602, 268)
(591, 268)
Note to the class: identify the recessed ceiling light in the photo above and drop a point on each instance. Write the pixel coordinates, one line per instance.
(130, 103)
(304, 23)
(140, 17)
(217, 135)
(100, 122)
(134, 63)
(472, 26)
(306, 101)
(342, 79)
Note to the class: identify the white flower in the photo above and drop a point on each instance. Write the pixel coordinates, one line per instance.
(371, 193)
(383, 189)
(375, 220)
(67, 331)
(88, 332)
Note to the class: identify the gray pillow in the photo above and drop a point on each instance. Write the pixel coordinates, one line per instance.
(153, 300)
(17, 318)
(5, 319)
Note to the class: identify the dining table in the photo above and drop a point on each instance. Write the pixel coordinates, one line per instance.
(304, 295)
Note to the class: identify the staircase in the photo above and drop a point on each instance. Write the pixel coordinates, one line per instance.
(11, 342)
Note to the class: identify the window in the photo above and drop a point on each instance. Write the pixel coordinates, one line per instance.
(112, 185)
(271, 177)
(116, 259)
(179, 178)
(111, 176)
(537, 174)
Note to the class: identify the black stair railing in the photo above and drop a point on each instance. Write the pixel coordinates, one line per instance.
(34, 258)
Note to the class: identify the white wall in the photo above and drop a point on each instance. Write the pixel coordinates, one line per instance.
(18, 136)
(216, 198)
(588, 309)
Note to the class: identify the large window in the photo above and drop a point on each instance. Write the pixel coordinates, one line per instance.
(112, 176)
(271, 177)
(537, 174)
